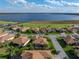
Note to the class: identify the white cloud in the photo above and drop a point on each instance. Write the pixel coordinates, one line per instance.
(49, 6)
(54, 2)
(70, 4)
(17, 1)
(63, 3)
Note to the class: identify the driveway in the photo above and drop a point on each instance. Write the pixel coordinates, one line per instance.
(58, 47)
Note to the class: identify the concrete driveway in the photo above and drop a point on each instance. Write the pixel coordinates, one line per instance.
(58, 47)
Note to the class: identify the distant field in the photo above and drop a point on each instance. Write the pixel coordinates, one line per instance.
(56, 22)
(6, 22)
(45, 25)
(41, 24)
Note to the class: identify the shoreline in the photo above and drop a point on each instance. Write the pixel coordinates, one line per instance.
(42, 22)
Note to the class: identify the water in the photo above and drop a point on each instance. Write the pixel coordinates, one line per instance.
(25, 17)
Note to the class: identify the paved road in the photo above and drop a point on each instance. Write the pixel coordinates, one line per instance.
(58, 47)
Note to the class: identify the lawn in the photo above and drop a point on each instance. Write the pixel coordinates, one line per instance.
(45, 25)
(67, 48)
(51, 46)
(3, 53)
(7, 22)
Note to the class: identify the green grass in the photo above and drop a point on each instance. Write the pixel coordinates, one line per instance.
(7, 22)
(45, 25)
(38, 25)
(3, 53)
(51, 46)
(67, 48)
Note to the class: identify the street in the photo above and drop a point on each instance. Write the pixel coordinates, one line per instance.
(58, 47)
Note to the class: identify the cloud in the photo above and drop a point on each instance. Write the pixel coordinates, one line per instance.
(48, 5)
(13, 2)
(69, 4)
(63, 3)
(27, 4)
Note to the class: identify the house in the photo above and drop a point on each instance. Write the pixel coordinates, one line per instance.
(21, 41)
(74, 30)
(43, 30)
(45, 54)
(70, 29)
(15, 27)
(70, 40)
(49, 30)
(35, 30)
(76, 26)
(7, 37)
(63, 35)
(53, 29)
(23, 29)
(36, 55)
(3, 34)
(75, 35)
(39, 41)
(1, 30)
(77, 53)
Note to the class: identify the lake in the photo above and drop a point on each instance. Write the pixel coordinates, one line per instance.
(25, 17)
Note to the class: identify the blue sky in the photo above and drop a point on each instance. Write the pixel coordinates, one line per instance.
(52, 6)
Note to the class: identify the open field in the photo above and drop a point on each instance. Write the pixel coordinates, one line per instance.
(56, 22)
(40, 25)
(45, 25)
(7, 22)
(45, 22)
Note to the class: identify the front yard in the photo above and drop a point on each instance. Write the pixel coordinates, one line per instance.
(3, 53)
(67, 48)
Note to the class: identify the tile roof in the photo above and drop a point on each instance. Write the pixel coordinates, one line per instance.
(36, 55)
(6, 37)
(69, 39)
(20, 40)
(24, 28)
(27, 55)
(40, 40)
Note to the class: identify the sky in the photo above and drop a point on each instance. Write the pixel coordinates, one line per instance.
(39, 6)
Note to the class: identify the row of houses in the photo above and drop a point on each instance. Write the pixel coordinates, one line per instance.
(36, 55)
(37, 30)
(73, 40)
(38, 41)
(5, 37)
(45, 30)
(21, 40)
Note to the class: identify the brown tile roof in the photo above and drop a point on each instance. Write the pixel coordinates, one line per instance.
(24, 28)
(36, 55)
(20, 40)
(35, 29)
(44, 54)
(6, 37)
(40, 40)
(3, 34)
(69, 39)
(26, 55)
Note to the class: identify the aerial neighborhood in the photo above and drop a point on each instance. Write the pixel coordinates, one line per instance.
(25, 42)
